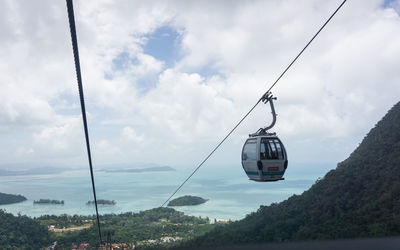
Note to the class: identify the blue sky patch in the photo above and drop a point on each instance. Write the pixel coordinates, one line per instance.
(123, 61)
(144, 84)
(207, 71)
(164, 45)
(66, 103)
(395, 4)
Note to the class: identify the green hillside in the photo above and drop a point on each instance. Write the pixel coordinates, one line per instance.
(360, 198)
(22, 232)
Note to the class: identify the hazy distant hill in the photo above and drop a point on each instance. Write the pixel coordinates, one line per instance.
(139, 170)
(4, 170)
(360, 198)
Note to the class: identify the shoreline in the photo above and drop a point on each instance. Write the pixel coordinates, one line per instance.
(231, 199)
(23, 212)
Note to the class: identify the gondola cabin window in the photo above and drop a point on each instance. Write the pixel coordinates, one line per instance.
(250, 150)
(271, 149)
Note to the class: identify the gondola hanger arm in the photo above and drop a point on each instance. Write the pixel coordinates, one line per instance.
(267, 97)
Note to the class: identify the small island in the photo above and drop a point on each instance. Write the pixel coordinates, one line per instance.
(187, 200)
(11, 198)
(48, 201)
(102, 202)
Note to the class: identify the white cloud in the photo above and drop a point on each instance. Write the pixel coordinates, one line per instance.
(63, 139)
(103, 149)
(185, 108)
(130, 134)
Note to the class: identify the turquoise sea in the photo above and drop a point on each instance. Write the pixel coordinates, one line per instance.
(231, 195)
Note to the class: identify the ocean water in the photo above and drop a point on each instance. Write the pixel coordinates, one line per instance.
(231, 195)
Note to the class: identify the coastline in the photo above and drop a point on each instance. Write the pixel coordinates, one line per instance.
(228, 197)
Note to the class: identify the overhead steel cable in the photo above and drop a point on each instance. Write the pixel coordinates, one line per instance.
(305, 47)
(261, 99)
(74, 39)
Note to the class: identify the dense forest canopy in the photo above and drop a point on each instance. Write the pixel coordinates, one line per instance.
(360, 198)
(154, 225)
(159, 226)
(22, 232)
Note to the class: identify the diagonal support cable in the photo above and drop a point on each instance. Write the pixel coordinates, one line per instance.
(266, 93)
(74, 39)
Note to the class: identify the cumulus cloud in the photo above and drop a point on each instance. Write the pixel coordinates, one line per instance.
(61, 139)
(103, 149)
(130, 134)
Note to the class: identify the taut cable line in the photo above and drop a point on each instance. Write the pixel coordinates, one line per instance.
(262, 98)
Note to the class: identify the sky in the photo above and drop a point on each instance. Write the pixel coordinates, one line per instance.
(165, 81)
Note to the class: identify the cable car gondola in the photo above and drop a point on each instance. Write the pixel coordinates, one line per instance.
(264, 157)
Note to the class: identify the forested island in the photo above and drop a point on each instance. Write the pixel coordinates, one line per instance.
(48, 201)
(187, 200)
(102, 202)
(11, 198)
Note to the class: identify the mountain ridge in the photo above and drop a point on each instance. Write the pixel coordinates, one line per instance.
(360, 198)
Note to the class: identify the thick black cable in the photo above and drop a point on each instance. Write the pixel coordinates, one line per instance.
(237, 125)
(74, 39)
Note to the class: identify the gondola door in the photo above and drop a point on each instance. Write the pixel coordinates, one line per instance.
(272, 157)
(249, 159)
